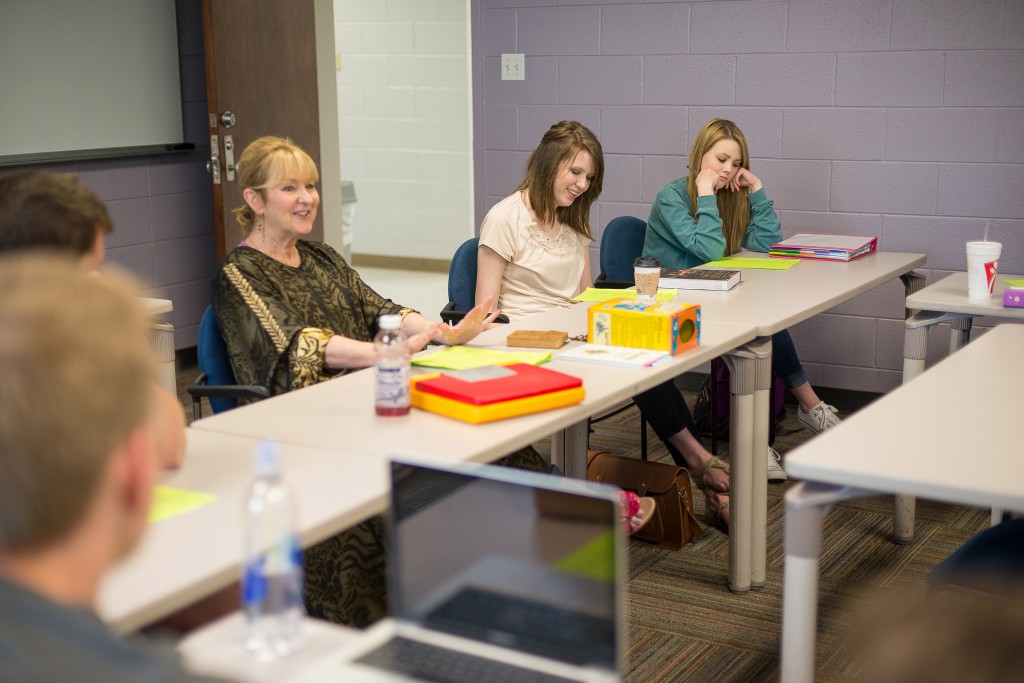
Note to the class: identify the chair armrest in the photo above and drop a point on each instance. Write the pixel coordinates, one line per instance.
(198, 389)
(450, 315)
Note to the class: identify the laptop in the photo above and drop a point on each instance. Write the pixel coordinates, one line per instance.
(495, 574)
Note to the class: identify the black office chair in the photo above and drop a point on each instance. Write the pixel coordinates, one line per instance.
(621, 242)
(216, 379)
(462, 283)
(989, 563)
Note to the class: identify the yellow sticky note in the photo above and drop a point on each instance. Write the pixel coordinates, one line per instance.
(595, 294)
(464, 357)
(170, 502)
(753, 263)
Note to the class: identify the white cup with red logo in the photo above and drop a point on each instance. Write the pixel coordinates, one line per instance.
(982, 265)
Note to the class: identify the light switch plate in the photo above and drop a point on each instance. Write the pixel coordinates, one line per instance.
(513, 67)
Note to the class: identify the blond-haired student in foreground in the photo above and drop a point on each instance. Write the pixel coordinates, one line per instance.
(78, 460)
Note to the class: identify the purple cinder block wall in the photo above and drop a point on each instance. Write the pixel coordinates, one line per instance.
(900, 118)
(161, 206)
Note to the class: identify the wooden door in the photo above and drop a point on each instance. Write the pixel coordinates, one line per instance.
(260, 68)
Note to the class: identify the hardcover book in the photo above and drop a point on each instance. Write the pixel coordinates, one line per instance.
(497, 383)
(698, 278)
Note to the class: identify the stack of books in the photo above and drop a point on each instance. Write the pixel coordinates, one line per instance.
(824, 247)
(698, 278)
(495, 392)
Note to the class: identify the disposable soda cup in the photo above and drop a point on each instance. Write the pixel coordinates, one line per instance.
(982, 265)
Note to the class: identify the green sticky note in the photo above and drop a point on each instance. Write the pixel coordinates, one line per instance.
(596, 294)
(1015, 283)
(754, 263)
(465, 357)
(170, 502)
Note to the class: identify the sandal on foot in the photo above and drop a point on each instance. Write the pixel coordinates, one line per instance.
(713, 463)
(713, 515)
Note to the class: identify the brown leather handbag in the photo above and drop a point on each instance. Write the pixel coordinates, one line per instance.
(674, 524)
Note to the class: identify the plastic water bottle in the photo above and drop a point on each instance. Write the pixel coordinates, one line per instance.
(391, 367)
(272, 573)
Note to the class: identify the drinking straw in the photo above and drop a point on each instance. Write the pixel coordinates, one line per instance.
(987, 223)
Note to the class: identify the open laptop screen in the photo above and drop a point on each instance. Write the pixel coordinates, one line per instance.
(507, 557)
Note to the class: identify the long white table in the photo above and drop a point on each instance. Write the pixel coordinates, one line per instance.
(944, 301)
(187, 557)
(773, 301)
(951, 434)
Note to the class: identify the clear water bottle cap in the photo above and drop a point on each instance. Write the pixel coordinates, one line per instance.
(390, 322)
(268, 459)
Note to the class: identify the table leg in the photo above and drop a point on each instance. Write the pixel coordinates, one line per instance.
(569, 449)
(807, 504)
(746, 365)
(759, 499)
(162, 341)
(960, 332)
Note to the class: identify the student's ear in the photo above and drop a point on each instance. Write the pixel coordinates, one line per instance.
(138, 468)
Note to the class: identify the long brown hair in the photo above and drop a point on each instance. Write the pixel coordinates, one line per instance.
(733, 207)
(559, 146)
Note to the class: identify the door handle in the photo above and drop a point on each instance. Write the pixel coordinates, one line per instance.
(229, 157)
(213, 165)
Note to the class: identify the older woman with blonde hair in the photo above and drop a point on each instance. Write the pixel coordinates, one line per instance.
(294, 313)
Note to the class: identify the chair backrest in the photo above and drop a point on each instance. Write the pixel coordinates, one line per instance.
(621, 242)
(213, 359)
(462, 275)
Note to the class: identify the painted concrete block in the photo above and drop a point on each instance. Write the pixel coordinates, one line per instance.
(497, 32)
(454, 71)
(133, 223)
(941, 134)
(792, 184)
(1013, 25)
(984, 78)
(113, 178)
(825, 338)
(600, 80)
(412, 10)
(689, 79)
(988, 190)
(351, 100)
(1011, 235)
(394, 165)
(388, 101)
(645, 30)
(623, 177)
(1010, 136)
(861, 379)
(451, 10)
(137, 259)
(540, 86)
(183, 259)
(348, 37)
(883, 186)
(837, 25)
(831, 223)
(363, 69)
(762, 127)
(559, 31)
(387, 38)
(487, 4)
(501, 126)
(452, 166)
(734, 27)
(889, 79)
(442, 103)
(659, 171)
(941, 239)
(360, 10)
(534, 121)
(413, 70)
(503, 171)
(182, 215)
(833, 133)
(785, 80)
(440, 38)
(885, 301)
(644, 130)
(945, 24)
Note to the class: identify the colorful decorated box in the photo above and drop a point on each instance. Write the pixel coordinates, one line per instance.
(667, 326)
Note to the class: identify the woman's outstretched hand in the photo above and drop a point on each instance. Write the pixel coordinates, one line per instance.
(473, 323)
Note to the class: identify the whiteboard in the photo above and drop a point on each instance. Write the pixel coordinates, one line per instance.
(88, 75)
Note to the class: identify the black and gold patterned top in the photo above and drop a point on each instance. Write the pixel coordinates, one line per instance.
(276, 319)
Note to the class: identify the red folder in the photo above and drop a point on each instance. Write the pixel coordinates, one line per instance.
(528, 380)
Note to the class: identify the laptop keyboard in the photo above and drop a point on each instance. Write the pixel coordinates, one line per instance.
(537, 628)
(439, 665)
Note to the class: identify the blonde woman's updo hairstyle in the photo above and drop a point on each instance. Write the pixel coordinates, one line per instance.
(559, 146)
(733, 207)
(265, 162)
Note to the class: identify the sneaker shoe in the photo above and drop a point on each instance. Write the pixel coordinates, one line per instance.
(821, 417)
(775, 471)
